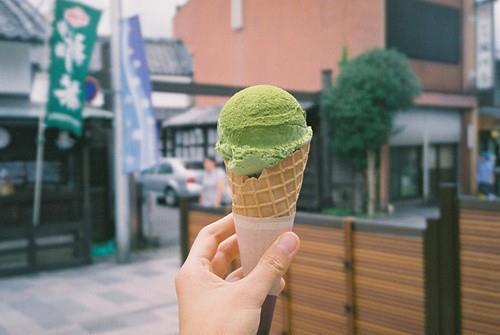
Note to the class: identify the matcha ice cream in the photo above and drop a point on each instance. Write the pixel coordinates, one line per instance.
(258, 127)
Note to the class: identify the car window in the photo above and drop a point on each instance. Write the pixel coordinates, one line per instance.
(165, 168)
(149, 171)
(194, 165)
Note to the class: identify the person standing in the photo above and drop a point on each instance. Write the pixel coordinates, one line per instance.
(213, 184)
(485, 174)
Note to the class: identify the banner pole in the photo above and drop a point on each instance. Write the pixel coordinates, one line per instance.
(122, 217)
(40, 142)
(39, 168)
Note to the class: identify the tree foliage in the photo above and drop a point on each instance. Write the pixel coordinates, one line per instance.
(361, 104)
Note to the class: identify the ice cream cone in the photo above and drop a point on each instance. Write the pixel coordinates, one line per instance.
(275, 192)
(263, 131)
(264, 208)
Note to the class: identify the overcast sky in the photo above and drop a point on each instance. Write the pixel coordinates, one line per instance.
(156, 15)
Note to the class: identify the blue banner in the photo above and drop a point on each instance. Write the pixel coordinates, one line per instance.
(140, 133)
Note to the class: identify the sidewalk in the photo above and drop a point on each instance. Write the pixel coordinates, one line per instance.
(104, 299)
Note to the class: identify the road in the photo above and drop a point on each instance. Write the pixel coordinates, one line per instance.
(162, 223)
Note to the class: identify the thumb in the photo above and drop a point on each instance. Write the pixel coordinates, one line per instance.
(273, 265)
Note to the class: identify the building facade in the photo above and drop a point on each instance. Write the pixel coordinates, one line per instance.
(76, 185)
(291, 44)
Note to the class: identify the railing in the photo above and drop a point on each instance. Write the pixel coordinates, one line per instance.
(62, 239)
(350, 276)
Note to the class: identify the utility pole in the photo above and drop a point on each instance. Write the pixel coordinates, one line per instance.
(121, 189)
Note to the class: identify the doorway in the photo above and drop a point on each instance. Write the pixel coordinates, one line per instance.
(406, 173)
(442, 166)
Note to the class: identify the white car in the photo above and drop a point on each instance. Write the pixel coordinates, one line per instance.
(173, 178)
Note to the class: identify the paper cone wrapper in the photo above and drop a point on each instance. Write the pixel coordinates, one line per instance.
(256, 235)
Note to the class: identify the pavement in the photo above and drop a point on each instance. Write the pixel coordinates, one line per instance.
(110, 299)
(100, 299)
(410, 215)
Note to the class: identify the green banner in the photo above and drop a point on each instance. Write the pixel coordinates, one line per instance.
(74, 32)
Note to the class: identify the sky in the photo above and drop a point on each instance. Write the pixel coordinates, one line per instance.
(156, 15)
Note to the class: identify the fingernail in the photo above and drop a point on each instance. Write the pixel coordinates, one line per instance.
(287, 243)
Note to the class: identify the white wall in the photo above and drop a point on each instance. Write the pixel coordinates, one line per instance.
(424, 127)
(171, 100)
(15, 68)
(440, 126)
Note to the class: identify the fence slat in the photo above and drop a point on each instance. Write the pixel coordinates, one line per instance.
(349, 277)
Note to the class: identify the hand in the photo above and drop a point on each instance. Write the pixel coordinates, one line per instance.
(211, 303)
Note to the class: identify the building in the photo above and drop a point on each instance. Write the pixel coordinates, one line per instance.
(192, 136)
(296, 44)
(168, 60)
(76, 183)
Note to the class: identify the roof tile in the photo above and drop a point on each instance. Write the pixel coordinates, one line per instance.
(20, 21)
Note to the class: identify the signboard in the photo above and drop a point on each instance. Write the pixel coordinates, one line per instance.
(485, 60)
(90, 89)
(74, 32)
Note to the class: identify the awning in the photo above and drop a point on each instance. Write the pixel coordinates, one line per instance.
(446, 100)
(199, 116)
(26, 110)
(195, 116)
(412, 126)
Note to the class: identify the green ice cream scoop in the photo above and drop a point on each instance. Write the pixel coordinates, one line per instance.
(258, 127)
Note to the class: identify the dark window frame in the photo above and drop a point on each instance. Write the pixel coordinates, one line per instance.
(406, 44)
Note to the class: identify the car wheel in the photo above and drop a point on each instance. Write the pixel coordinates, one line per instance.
(170, 197)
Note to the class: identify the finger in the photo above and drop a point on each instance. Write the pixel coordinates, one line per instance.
(208, 239)
(226, 253)
(282, 284)
(236, 275)
(272, 265)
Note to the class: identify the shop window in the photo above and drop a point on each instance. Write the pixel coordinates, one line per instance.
(447, 157)
(189, 144)
(442, 166)
(211, 141)
(406, 173)
(18, 165)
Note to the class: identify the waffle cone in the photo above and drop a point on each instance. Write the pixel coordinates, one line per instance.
(275, 192)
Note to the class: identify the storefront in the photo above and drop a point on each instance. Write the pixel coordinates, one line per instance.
(424, 152)
(192, 135)
(76, 190)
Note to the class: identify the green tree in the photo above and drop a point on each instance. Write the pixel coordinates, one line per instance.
(361, 104)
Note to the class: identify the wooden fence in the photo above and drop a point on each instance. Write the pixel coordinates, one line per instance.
(350, 276)
(362, 277)
(468, 261)
(479, 223)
